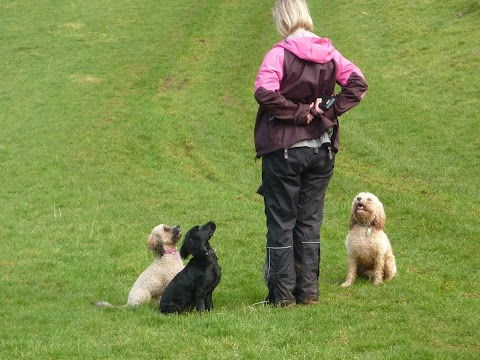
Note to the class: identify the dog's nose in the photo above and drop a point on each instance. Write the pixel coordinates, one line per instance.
(359, 198)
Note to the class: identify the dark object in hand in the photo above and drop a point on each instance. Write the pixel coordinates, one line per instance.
(327, 102)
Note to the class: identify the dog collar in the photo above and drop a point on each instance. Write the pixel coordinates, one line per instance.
(170, 251)
(210, 252)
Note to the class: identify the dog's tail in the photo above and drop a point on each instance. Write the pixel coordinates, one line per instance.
(103, 304)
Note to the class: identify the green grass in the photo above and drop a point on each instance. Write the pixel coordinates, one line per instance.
(117, 116)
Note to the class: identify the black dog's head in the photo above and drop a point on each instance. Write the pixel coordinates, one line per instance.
(196, 240)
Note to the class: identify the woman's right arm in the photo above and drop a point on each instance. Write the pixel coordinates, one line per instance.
(352, 82)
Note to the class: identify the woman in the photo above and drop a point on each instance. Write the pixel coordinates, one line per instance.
(298, 138)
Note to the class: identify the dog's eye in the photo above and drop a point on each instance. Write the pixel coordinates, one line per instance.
(166, 229)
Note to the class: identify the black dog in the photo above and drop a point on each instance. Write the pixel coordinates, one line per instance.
(193, 286)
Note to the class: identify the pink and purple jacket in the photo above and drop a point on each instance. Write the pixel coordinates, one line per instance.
(294, 73)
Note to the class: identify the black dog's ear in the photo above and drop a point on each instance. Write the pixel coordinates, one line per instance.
(184, 250)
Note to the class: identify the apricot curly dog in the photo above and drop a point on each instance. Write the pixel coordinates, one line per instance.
(369, 251)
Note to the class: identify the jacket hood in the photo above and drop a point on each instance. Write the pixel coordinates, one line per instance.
(313, 49)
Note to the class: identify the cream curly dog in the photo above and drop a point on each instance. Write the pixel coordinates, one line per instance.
(153, 281)
(368, 248)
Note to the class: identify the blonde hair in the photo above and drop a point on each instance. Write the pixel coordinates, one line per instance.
(291, 15)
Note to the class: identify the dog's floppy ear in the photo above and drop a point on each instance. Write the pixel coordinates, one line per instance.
(160, 250)
(194, 247)
(380, 217)
(184, 252)
(154, 243)
(353, 219)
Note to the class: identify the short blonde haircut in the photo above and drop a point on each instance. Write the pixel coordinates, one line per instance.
(291, 15)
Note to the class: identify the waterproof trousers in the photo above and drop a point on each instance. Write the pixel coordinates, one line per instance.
(294, 184)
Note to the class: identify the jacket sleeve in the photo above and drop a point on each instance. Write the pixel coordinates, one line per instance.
(267, 91)
(352, 82)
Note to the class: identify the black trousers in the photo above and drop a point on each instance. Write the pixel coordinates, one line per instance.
(294, 185)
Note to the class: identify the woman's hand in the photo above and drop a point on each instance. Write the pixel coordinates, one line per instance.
(316, 107)
(310, 116)
(315, 110)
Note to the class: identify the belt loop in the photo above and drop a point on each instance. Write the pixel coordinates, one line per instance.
(285, 154)
(330, 152)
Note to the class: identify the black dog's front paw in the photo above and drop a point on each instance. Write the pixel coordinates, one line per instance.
(209, 302)
(200, 306)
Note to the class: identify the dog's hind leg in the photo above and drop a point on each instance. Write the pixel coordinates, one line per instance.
(390, 268)
(138, 296)
(170, 309)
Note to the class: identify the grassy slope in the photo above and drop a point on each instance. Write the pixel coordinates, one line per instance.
(118, 116)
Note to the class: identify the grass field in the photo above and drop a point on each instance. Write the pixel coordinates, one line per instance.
(118, 116)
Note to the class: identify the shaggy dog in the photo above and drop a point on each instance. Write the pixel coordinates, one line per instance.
(368, 248)
(151, 284)
(193, 286)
